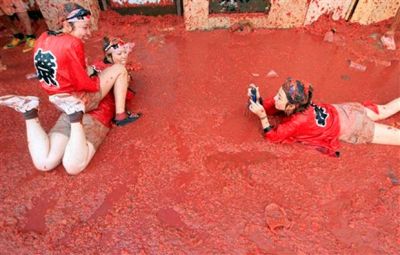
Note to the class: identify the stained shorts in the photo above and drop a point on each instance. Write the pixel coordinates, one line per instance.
(95, 131)
(355, 126)
(90, 99)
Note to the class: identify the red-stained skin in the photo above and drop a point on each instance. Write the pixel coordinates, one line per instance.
(194, 175)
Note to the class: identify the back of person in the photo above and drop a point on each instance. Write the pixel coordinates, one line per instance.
(318, 126)
(60, 63)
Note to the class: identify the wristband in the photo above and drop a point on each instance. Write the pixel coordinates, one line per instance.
(267, 129)
(263, 118)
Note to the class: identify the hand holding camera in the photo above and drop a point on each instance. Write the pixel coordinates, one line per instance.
(253, 93)
(255, 104)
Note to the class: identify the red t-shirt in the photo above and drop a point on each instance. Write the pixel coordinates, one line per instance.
(60, 64)
(317, 126)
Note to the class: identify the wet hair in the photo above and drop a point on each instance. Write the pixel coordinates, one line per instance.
(107, 57)
(106, 43)
(72, 25)
(68, 8)
(298, 94)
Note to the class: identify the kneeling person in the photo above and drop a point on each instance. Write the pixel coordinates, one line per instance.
(59, 59)
(74, 138)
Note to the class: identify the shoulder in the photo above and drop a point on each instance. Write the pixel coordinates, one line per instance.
(42, 36)
(321, 107)
(100, 65)
(60, 40)
(71, 40)
(66, 40)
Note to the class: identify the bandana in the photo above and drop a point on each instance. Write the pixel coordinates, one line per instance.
(78, 14)
(296, 92)
(116, 44)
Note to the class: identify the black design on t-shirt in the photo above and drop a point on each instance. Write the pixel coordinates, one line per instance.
(320, 115)
(46, 67)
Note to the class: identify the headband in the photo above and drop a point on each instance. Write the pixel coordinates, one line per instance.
(78, 14)
(116, 44)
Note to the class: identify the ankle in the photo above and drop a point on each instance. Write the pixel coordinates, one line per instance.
(121, 116)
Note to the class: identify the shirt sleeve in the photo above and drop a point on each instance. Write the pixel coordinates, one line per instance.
(284, 132)
(79, 76)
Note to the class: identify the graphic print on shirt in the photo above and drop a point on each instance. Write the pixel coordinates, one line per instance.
(320, 115)
(46, 67)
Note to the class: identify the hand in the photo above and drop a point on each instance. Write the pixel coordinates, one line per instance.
(257, 109)
(251, 86)
(90, 70)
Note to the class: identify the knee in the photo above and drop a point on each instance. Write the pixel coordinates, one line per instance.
(45, 166)
(121, 69)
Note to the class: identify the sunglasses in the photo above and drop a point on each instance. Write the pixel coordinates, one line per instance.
(79, 14)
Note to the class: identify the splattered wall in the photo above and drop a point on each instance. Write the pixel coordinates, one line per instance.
(199, 14)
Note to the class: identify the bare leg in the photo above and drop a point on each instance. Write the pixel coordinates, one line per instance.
(18, 36)
(384, 134)
(26, 22)
(6, 20)
(46, 152)
(120, 89)
(385, 111)
(30, 38)
(78, 151)
(116, 77)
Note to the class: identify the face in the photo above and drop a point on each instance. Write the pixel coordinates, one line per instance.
(120, 56)
(81, 29)
(281, 100)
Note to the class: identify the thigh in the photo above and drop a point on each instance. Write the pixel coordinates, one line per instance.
(95, 131)
(58, 143)
(58, 139)
(371, 114)
(108, 77)
(384, 134)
